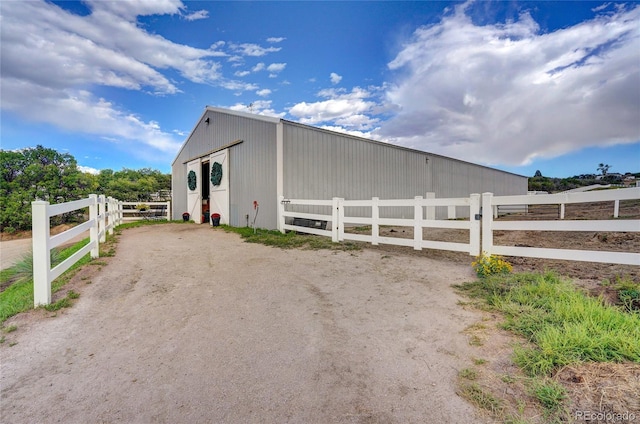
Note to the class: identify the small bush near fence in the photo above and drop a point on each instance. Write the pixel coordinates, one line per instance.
(486, 265)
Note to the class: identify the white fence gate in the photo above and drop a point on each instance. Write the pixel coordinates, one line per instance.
(481, 237)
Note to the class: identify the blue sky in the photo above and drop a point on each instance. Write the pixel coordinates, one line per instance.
(520, 86)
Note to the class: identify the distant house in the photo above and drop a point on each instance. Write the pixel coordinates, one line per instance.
(231, 159)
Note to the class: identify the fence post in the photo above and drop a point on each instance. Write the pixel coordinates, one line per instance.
(281, 214)
(417, 223)
(561, 210)
(168, 211)
(93, 231)
(451, 212)
(431, 210)
(335, 205)
(110, 215)
(375, 218)
(487, 219)
(101, 218)
(616, 208)
(41, 256)
(474, 222)
(120, 214)
(340, 219)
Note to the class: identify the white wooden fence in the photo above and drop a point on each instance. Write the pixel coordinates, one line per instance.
(130, 211)
(481, 235)
(423, 217)
(104, 215)
(489, 225)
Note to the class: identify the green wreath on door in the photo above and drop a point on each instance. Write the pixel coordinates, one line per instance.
(192, 180)
(216, 174)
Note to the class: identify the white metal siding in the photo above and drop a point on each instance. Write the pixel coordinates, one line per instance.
(252, 164)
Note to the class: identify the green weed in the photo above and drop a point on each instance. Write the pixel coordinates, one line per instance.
(18, 297)
(551, 396)
(564, 325)
(469, 374)
(481, 398)
(290, 240)
(10, 329)
(629, 294)
(65, 302)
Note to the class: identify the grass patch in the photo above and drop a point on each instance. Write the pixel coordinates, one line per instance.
(481, 398)
(468, 374)
(18, 296)
(551, 395)
(10, 329)
(290, 240)
(144, 223)
(564, 325)
(65, 302)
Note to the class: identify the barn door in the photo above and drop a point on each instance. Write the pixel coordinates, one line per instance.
(194, 190)
(219, 180)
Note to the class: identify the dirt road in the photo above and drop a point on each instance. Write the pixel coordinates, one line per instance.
(188, 324)
(12, 251)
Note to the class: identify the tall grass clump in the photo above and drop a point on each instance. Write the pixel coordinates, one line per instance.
(564, 325)
(290, 240)
(18, 297)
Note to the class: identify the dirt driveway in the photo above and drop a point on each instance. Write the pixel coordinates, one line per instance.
(188, 324)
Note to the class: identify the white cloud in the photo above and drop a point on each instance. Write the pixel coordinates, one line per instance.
(88, 170)
(250, 49)
(276, 67)
(275, 39)
(197, 15)
(264, 92)
(348, 109)
(79, 111)
(259, 107)
(258, 67)
(52, 59)
(133, 8)
(506, 93)
(241, 73)
(335, 78)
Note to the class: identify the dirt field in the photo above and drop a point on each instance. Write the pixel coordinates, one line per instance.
(189, 324)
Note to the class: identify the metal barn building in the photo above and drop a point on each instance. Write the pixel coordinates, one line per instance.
(260, 158)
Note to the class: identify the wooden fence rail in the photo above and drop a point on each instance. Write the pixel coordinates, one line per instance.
(481, 232)
(105, 213)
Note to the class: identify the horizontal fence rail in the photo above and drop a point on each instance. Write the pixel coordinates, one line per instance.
(481, 226)
(105, 214)
(489, 225)
(136, 211)
(423, 217)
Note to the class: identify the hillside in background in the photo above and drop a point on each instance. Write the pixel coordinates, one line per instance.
(555, 185)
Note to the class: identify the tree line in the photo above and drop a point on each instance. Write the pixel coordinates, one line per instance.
(46, 174)
(553, 185)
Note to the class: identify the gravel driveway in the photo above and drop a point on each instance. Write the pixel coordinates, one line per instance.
(188, 324)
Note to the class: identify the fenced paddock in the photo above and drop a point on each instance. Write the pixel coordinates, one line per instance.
(481, 233)
(156, 210)
(586, 223)
(423, 212)
(104, 215)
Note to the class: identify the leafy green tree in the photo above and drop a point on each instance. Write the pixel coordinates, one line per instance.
(38, 173)
(133, 185)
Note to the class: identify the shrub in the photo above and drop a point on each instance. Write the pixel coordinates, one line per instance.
(486, 265)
